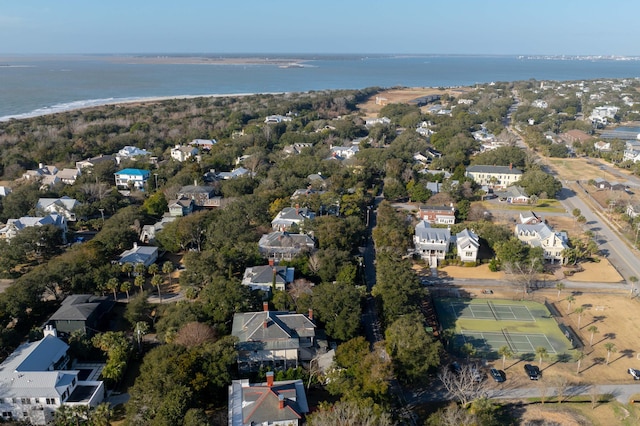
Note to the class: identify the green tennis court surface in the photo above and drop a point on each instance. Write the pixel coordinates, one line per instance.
(523, 326)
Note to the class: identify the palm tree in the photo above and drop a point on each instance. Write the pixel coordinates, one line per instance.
(154, 269)
(541, 352)
(127, 268)
(570, 300)
(140, 269)
(126, 286)
(559, 287)
(168, 268)
(113, 285)
(611, 348)
(579, 356)
(142, 328)
(157, 282)
(505, 352)
(593, 330)
(579, 310)
(138, 281)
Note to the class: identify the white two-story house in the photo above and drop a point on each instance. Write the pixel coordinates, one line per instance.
(432, 244)
(36, 379)
(541, 235)
(494, 176)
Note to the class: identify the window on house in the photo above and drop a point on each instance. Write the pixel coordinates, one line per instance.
(469, 254)
(26, 400)
(51, 401)
(6, 414)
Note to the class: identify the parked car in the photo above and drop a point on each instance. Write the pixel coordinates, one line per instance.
(532, 371)
(635, 373)
(497, 375)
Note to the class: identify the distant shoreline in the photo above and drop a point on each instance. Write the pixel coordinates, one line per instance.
(97, 103)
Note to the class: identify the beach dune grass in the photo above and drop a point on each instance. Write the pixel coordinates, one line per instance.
(521, 325)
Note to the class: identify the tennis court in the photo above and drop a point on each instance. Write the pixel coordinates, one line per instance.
(523, 326)
(491, 311)
(484, 341)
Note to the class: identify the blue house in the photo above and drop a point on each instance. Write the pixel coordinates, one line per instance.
(135, 177)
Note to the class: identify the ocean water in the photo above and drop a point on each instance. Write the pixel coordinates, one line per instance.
(32, 86)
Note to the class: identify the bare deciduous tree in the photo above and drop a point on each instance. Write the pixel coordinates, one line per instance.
(464, 385)
(194, 334)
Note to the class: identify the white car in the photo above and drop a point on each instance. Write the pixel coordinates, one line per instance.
(635, 373)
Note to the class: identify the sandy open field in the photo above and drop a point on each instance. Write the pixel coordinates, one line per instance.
(371, 108)
(613, 315)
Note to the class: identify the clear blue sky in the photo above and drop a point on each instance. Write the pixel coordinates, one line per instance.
(348, 26)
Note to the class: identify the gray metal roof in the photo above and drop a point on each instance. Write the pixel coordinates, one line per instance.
(494, 169)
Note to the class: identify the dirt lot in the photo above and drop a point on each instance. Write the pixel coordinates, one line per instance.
(371, 108)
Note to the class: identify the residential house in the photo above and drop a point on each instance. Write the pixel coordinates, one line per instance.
(40, 172)
(68, 176)
(64, 206)
(81, 312)
(514, 194)
(602, 114)
(432, 244)
(148, 233)
(541, 235)
(234, 174)
(282, 403)
(296, 148)
(602, 146)
(273, 339)
(271, 119)
(202, 195)
(183, 153)
(530, 218)
(89, 163)
(205, 144)
(284, 245)
(441, 215)
(540, 103)
(344, 152)
(136, 178)
(130, 152)
(370, 122)
(613, 186)
(14, 226)
(139, 254)
(268, 277)
(494, 176)
(304, 192)
(633, 210)
(434, 187)
(181, 206)
(572, 136)
(291, 217)
(36, 380)
(467, 245)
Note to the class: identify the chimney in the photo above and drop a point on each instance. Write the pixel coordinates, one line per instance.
(297, 209)
(135, 245)
(50, 331)
(281, 401)
(265, 306)
(311, 314)
(510, 166)
(195, 182)
(265, 323)
(270, 378)
(271, 262)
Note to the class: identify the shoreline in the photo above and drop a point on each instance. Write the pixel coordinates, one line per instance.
(96, 103)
